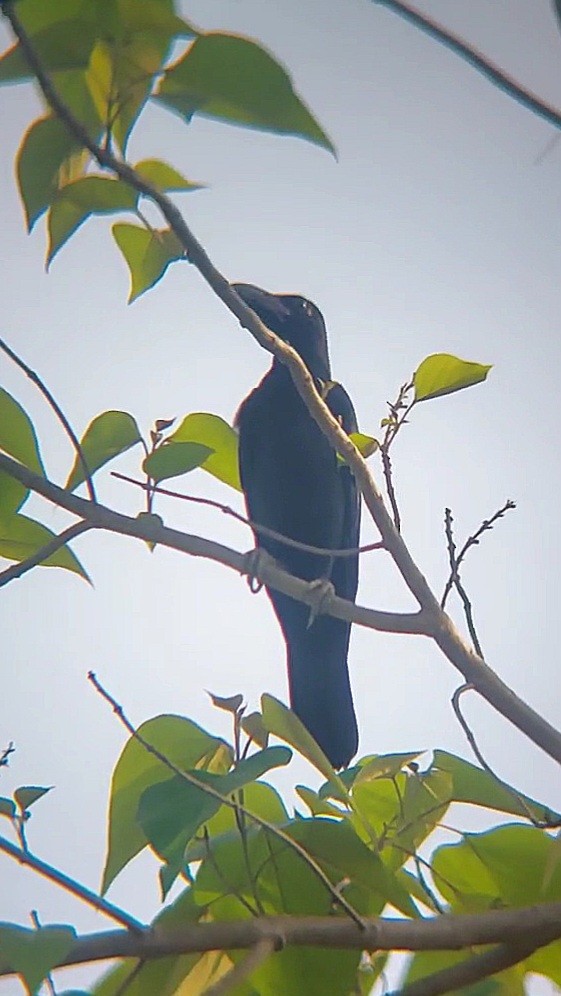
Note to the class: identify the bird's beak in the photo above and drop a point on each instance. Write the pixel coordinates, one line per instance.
(262, 302)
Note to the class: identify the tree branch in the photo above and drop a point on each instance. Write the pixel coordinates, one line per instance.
(536, 925)
(24, 857)
(481, 966)
(152, 531)
(35, 378)
(475, 59)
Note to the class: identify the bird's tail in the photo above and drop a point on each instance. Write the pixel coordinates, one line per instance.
(320, 691)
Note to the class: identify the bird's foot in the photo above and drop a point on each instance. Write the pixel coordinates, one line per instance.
(323, 594)
(254, 562)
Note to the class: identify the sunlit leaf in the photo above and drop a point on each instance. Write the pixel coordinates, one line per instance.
(230, 704)
(385, 766)
(33, 953)
(21, 537)
(147, 254)
(184, 744)
(165, 177)
(214, 432)
(45, 147)
(107, 435)
(174, 459)
(443, 374)
(82, 198)
(17, 435)
(217, 77)
(479, 788)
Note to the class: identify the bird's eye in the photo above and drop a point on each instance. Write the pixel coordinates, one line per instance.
(308, 308)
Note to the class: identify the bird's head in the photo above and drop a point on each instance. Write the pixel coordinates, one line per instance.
(295, 320)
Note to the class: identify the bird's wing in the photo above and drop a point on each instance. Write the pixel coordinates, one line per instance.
(345, 569)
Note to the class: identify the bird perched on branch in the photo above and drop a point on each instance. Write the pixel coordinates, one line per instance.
(294, 484)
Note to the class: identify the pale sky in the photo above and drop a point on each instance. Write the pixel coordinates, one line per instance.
(436, 230)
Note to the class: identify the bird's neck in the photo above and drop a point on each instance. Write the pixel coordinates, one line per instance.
(319, 369)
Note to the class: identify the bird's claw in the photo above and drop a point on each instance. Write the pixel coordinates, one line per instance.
(254, 562)
(323, 594)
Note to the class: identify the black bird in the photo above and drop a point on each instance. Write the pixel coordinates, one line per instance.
(294, 484)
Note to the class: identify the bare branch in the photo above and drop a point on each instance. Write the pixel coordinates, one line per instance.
(70, 885)
(455, 580)
(18, 570)
(536, 925)
(476, 59)
(542, 824)
(34, 377)
(155, 489)
(456, 560)
(152, 531)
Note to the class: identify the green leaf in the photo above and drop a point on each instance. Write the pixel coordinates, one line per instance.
(82, 198)
(108, 435)
(21, 537)
(317, 805)
(174, 459)
(64, 45)
(17, 435)
(12, 494)
(230, 704)
(214, 432)
(235, 80)
(284, 723)
(385, 766)
(165, 177)
(255, 728)
(7, 807)
(171, 812)
(28, 794)
(46, 146)
(147, 254)
(477, 787)
(444, 374)
(184, 744)
(34, 953)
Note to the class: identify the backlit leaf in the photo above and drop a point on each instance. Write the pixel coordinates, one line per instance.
(444, 374)
(107, 435)
(234, 79)
(147, 254)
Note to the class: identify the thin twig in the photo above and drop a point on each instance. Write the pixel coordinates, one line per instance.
(473, 540)
(71, 885)
(455, 577)
(387, 465)
(240, 972)
(542, 824)
(399, 410)
(191, 779)
(476, 59)
(5, 755)
(18, 570)
(34, 377)
(262, 530)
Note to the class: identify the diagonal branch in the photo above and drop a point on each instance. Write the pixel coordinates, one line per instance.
(81, 892)
(51, 400)
(476, 59)
(255, 957)
(480, 966)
